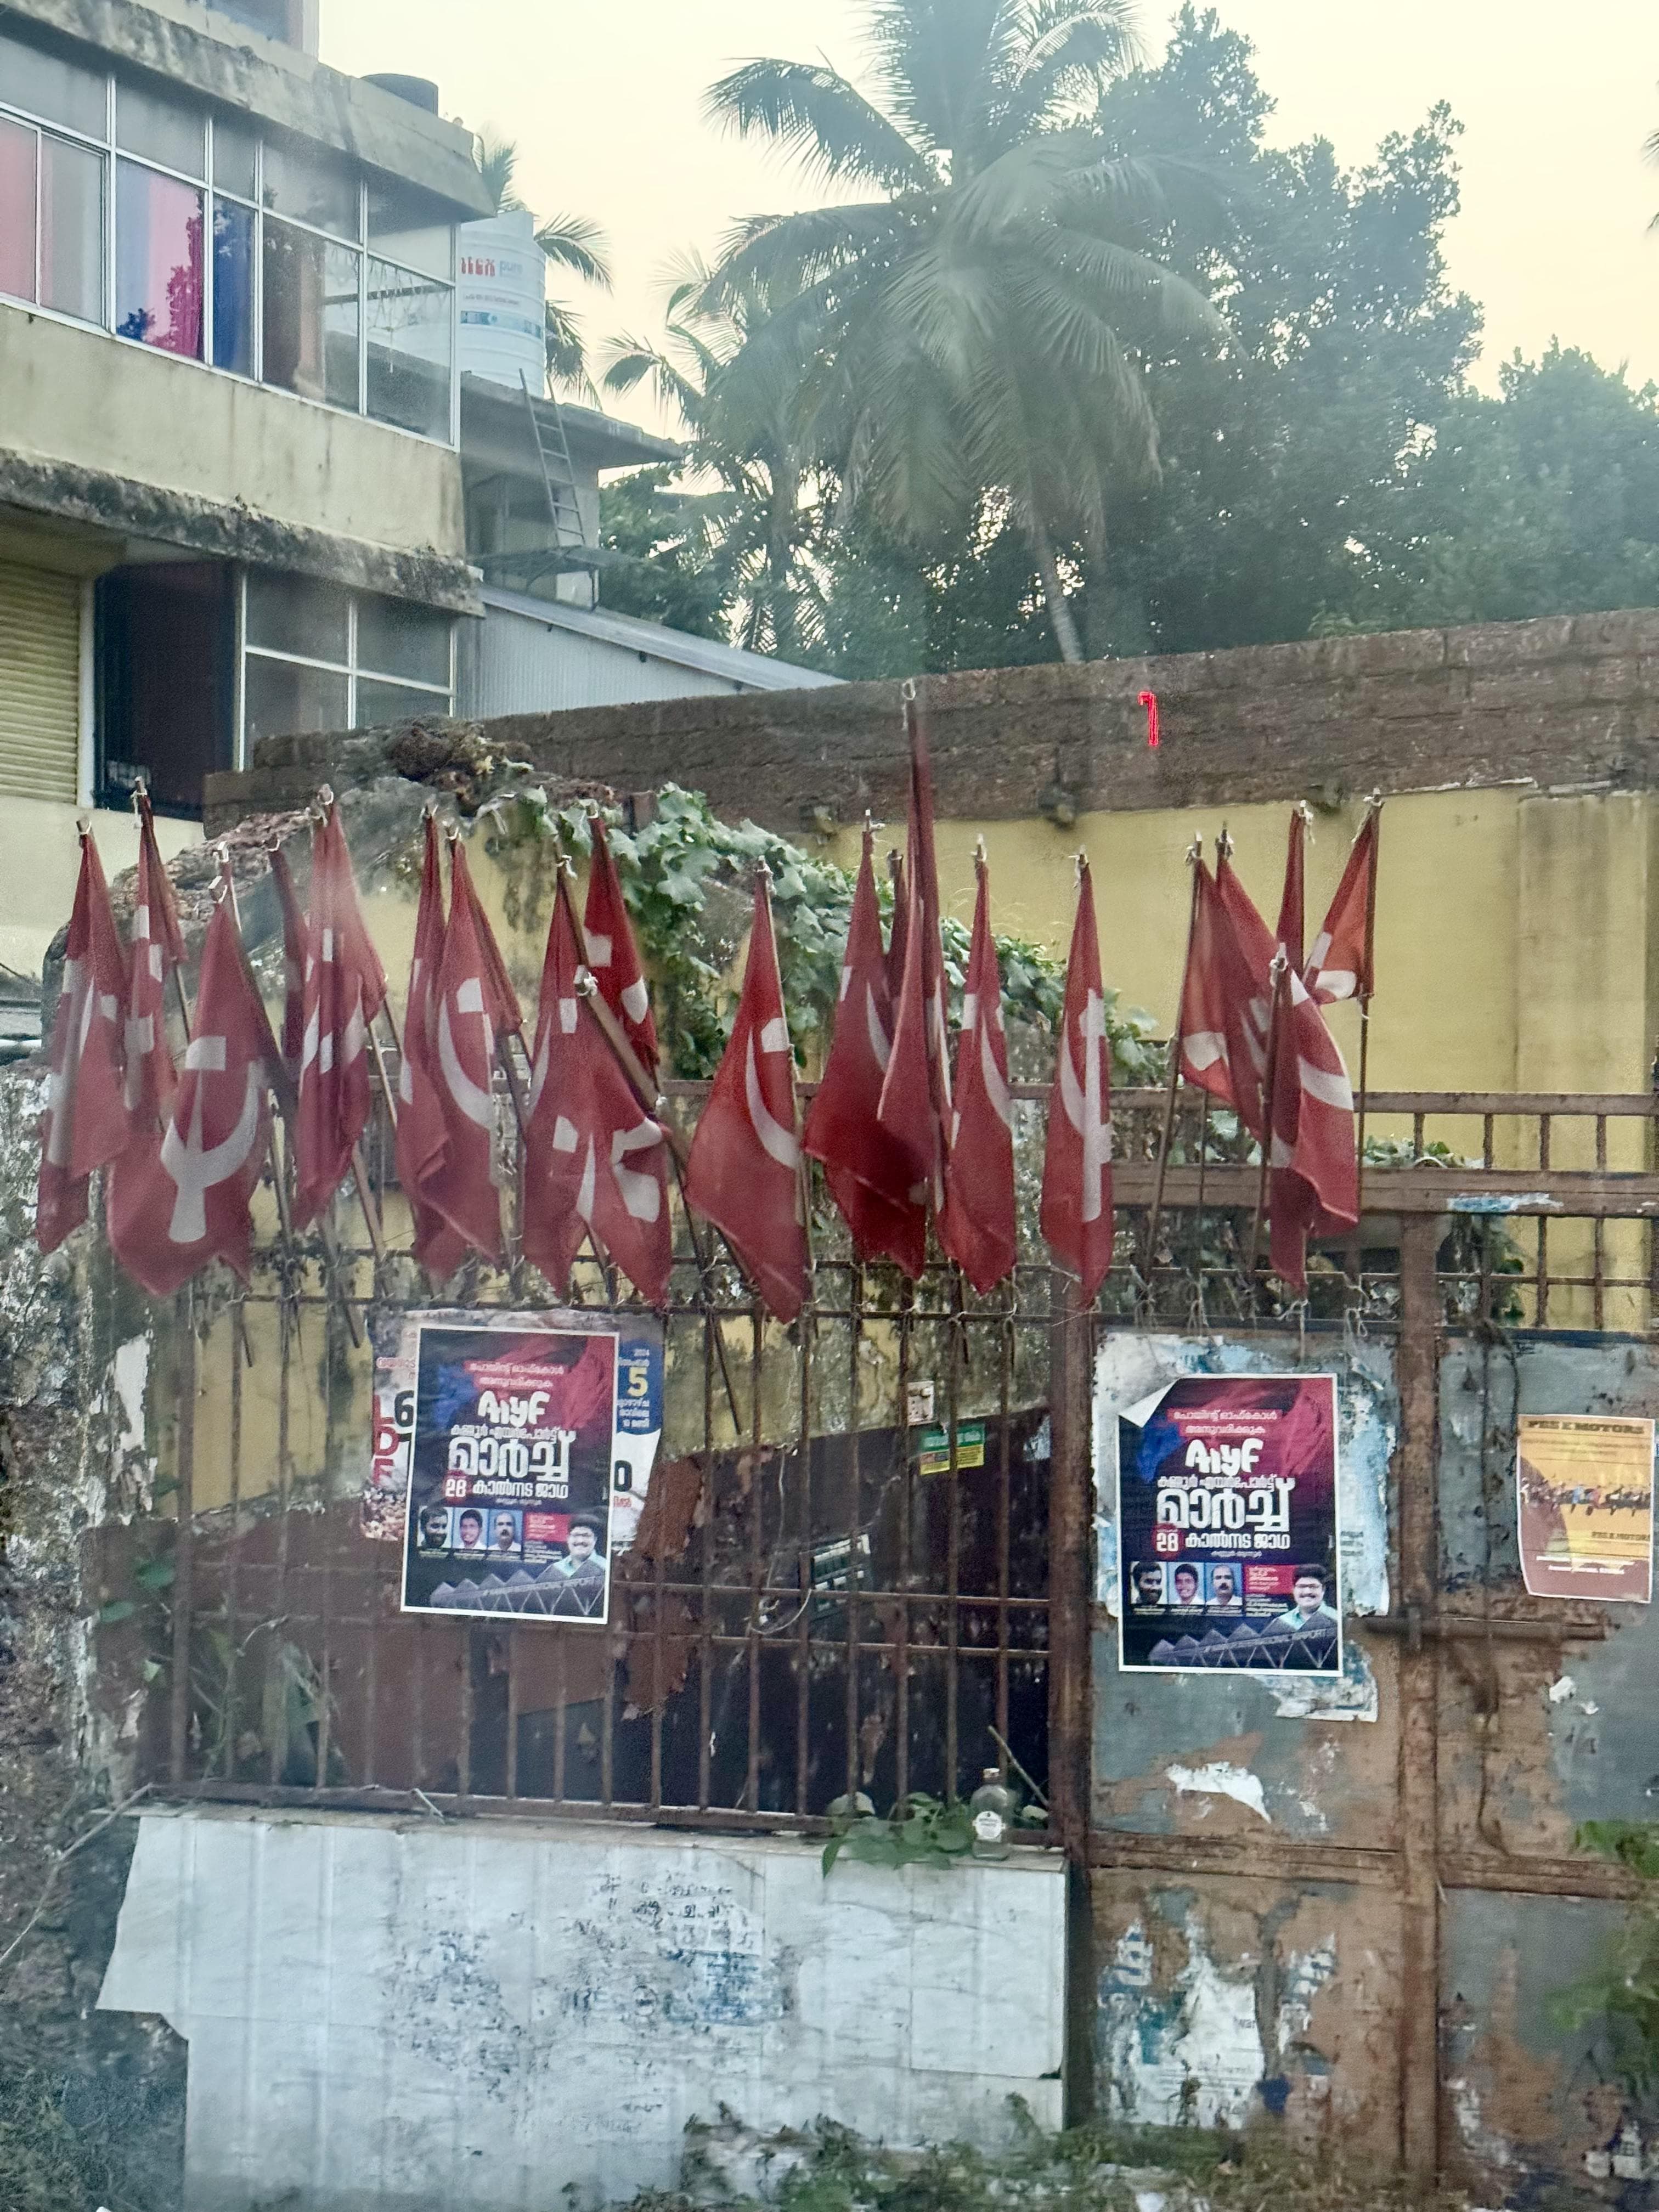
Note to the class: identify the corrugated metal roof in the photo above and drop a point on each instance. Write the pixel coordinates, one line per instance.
(705, 656)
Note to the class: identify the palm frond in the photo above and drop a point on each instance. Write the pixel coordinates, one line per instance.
(498, 161)
(566, 354)
(632, 363)
(813, 112)
(1070, 48)
(790, 252)
(578, 243)
(938, 60)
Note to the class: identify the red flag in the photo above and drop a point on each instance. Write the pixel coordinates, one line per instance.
(420, 1132)
(1222, 1051)
(613, 955)
(182, 1197)
(157, 948)
(293, 961)
(85, 1124)
(915, 1095)
(595, 1160)
(1077, 1169)
(1292, 905)
(345, 987)
(901, 926)
(977, 1224)
(466, 1023)
(745, 1170)
(1252, 1014)
(1315, 1175)
(866, 1173)
(1340, 965)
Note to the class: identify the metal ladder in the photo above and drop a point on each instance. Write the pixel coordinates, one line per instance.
(561, 505)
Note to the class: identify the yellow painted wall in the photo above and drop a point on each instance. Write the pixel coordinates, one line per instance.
(40, 857)
(1445, 1018)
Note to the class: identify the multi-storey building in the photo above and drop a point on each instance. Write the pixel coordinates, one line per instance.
(231, 496)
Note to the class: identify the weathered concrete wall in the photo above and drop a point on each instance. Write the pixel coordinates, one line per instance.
(40, 857)
(413, 2014)
(72, 1459)
(223, 457)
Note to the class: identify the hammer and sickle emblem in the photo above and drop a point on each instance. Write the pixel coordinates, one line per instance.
(197, 1168)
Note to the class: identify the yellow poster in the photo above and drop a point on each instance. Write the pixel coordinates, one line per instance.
(1584, 1494)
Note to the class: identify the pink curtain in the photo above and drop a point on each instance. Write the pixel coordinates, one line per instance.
(159, 283)
(17, 161)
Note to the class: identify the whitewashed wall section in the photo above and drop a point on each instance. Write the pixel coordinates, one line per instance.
(1132, 1365)
(384, 2014)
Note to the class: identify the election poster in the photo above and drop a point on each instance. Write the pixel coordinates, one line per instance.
(1227, 1520)
(526, 1449)
(1583, 1488)
(395, 1334)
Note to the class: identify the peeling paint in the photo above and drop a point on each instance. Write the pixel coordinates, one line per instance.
(1562, 1690)
(1188, 2055)
(1307, 1973)
(131, 1379)
(1218, 1779)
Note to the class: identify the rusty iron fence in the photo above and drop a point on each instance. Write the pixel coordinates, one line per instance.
(807, 1614)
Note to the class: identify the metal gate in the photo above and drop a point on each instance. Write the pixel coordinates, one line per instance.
(807, 1614)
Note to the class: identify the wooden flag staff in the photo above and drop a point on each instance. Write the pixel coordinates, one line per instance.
(287, 1105)
(1177, 1038)
(1374, 816)
(645, 1091)
(1279, 973)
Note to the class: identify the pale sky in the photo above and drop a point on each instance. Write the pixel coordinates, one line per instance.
(605, 102)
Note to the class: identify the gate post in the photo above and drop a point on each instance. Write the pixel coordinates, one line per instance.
(1419, 1794)
(1070, 1669)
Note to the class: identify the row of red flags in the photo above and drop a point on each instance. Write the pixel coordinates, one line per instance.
(905, 1138)
(1252, 1035)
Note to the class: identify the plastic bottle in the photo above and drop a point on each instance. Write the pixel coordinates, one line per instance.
(993, 1806)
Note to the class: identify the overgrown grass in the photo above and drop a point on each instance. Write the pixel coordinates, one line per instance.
(45, 2165)
(1086, 2170)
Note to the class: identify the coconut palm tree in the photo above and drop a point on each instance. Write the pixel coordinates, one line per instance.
(572, 241)
(971, 328)
(752, 436)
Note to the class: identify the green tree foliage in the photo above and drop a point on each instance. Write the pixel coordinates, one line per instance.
(751, 442)
(1543, 500)
(660, 529)
(958, 333)
(1281, 448)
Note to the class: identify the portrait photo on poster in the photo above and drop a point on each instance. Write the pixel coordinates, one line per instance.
(515, 1447)
(1227, 1520)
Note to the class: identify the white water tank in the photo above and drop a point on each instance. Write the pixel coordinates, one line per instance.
(502, 299)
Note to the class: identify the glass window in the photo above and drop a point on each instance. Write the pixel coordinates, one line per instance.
(161, 130)
(56, 89)
(410, 341)
(295, 614)
(283, 699)
(405, 225)
(19, 145)
(72, 230)
(396, 639)
(232, 287)
(312, 187)
(234, 158)
(380, 703)
(310, 316)
(158, 260)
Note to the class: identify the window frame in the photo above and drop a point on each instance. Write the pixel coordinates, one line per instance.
(351, 667)
(110, 152)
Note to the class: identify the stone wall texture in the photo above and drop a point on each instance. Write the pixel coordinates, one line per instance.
(1567, 702)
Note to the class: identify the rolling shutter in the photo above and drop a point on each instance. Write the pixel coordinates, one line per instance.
(39, 683)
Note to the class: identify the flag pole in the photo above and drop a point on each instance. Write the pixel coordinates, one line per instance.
(287, 1105)
(1279, 972)
(1194, 855)
(331, 805)
(1374, 816)
(650, 1102)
